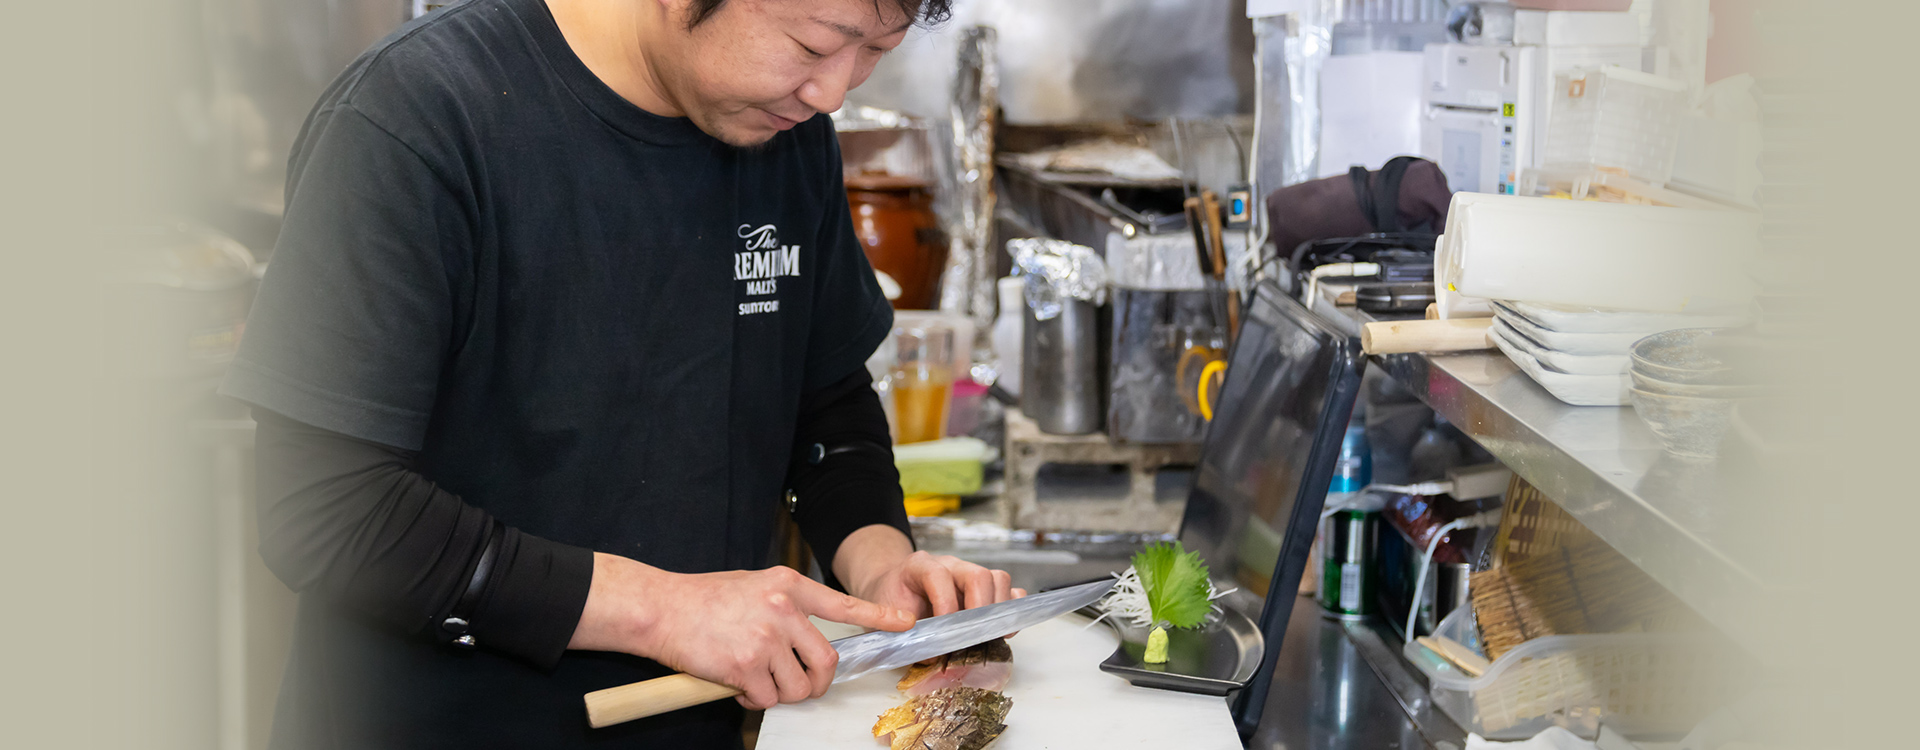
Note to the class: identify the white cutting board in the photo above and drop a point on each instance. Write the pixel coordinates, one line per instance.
(1061, 700)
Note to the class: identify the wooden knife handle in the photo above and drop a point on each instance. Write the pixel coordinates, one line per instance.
(1407, 336)
(1469, 662)
(1217, 253)
(1216, 237)
(639, 700)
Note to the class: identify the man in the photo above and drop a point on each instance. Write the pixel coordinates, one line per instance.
(566, 301)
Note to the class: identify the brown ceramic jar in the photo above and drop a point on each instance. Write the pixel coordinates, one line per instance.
(893, 217)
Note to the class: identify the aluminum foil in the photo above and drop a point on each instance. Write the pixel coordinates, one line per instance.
(1291, 50)
(1057, 270)
(967, 286)
(1167, 262)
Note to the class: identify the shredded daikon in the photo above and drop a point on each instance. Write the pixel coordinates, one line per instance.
(1128, 600)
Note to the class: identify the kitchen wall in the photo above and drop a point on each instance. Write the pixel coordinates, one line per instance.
(1065, 61)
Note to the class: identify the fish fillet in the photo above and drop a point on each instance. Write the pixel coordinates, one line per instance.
(987, 666)
(954, 718)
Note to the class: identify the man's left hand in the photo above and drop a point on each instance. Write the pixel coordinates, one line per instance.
(878, 564)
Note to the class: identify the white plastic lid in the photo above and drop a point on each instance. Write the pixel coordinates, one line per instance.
(1011, 288)
(1629, 75)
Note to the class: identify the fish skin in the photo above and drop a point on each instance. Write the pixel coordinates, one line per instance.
(967, 734)
(958, 714)
(992, 651)
(987, 665)
(894, 719)
(907, 737)
(957, 718)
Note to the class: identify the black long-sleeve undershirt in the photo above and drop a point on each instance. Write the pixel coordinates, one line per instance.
(351, 520)
(857, 484)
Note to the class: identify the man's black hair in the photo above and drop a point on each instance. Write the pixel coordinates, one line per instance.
(924, 12)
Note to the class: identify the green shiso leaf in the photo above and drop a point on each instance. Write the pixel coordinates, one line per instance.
(1176, 584)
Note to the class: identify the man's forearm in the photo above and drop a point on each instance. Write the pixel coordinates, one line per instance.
(348, 520)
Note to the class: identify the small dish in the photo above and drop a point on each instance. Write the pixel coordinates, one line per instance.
(1704, 356)
(1688, 426)
(1652, 384)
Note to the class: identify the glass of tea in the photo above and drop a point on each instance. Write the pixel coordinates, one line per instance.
(921, 382)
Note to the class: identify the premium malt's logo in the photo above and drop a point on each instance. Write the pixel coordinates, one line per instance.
(762, 264)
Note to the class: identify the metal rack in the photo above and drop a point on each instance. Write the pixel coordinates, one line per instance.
(1680, 521)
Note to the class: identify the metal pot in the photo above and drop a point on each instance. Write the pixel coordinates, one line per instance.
(1062, 388)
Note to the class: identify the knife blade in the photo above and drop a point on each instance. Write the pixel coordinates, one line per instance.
(878, 651)
(860, 655)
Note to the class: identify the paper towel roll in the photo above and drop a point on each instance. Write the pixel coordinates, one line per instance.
(1607, 255)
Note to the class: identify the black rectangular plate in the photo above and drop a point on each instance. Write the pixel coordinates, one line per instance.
(1211, 660)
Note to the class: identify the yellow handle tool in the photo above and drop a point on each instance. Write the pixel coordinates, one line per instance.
(1214, 371)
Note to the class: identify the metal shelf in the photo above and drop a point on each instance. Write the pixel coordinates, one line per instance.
(1688, 524)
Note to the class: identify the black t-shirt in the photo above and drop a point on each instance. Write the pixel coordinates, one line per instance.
(592, 322)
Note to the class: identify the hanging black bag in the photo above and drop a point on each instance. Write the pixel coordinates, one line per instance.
(1402, 206)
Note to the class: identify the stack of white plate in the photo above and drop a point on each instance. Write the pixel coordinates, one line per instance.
(1580, 355)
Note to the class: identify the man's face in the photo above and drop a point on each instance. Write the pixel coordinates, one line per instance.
(754, 68)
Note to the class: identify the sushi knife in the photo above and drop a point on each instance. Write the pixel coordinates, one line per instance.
(860, 655)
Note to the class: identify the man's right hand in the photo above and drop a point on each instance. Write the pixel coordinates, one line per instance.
(744, 629)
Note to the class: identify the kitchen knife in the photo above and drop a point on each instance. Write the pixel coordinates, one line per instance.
(860, 655)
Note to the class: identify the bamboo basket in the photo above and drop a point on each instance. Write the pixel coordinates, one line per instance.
(1532, 524)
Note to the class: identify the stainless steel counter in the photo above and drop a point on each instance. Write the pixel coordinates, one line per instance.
(1339, 685)
(1681, 521)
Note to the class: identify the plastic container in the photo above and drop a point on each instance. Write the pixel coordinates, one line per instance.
(963, 417)
(921, 383)
(960, 357)
(1007, 331)
(953, 466)
(1641, 684)
(1613, 117)
(1569, 27)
